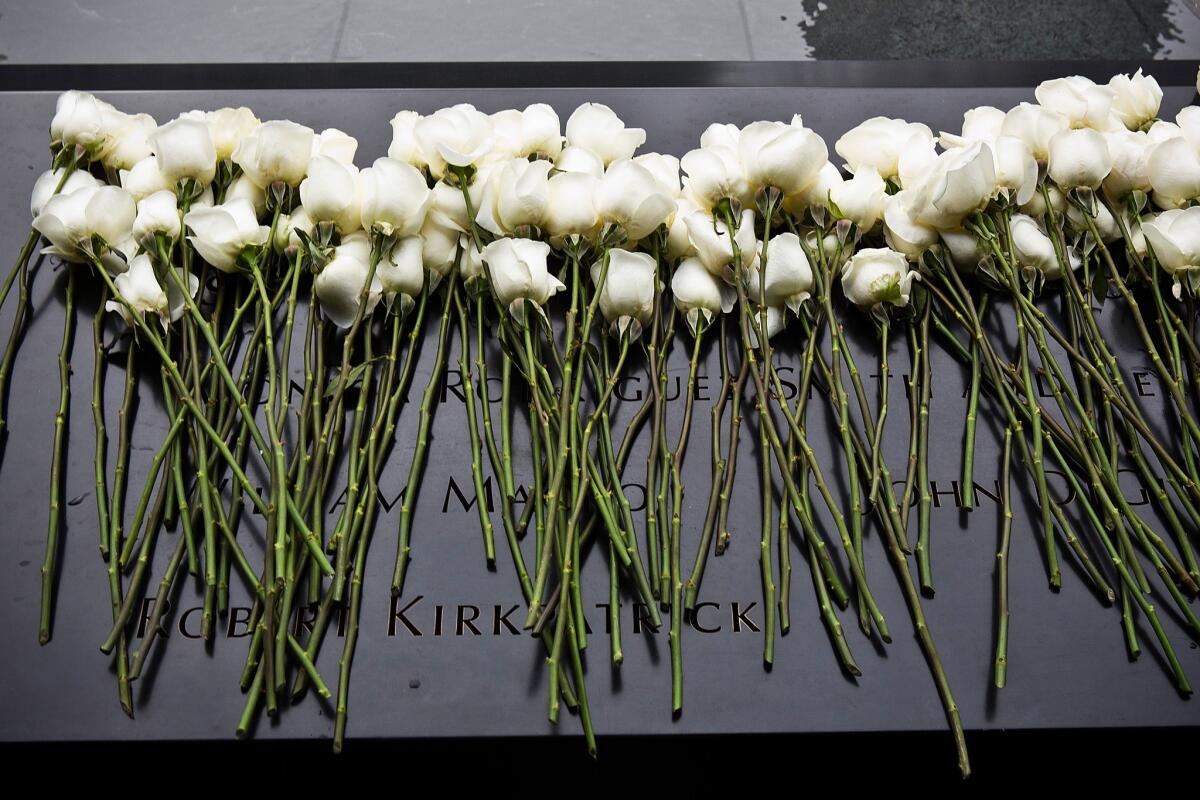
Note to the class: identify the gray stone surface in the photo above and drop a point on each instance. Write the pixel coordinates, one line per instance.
(544, 30)
(131, 31)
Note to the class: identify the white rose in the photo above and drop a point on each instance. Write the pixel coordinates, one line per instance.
(221, 233)
(242, 188)
(966, 251)
(1162, 131)
(721, 134)
(283, 232)
(81, 119)
(228, 126)
(69, 221)
(788, 157)
(449, 205)
(140, 288)
(697, 293)
(404, 146)
(877, 143)
(205, 198)
(1035, 126)
(129, 141)
(816, 194)
(776, 321)
(1081, 101)
(534, 131)
(440, 244)
(710, 238)
(459, 136)
(278, 150)
(901, 229)
(679, 244)
(331, 193)
(861, 198)
(960, 182)
(516, 194)
(1175, 237)
(595, 127)
(519, 273)
(44, 187)
(1130, 171)
(471, 265)
(1079, 157)
(184, 149)
(629, 290)
(572, 205)
(787, 278)
(297, 222)
(1173, 170)
(630, 197)
(335, 144)
(395, 198)
(401, 271)
(1188, 123)
(714, 174)
(1136, 98)
(877, 275)
(917, 158)
(1033, 248)
(664, 168)
(1104, 222)
(340, 284)
(357, 245)
(145, 178)
(579, 159)
(980, 124)
(156, 213)
(1016, 169)
(1136, 236)
(1037, 208)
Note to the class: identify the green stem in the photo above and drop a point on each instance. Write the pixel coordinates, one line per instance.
(501, 466)
(20, 270)
(21, 263)
(925, 502)
(676, 579)
(1039, 473)
(719, 464)
(205, 491)
(464, 367)
(17, 332)
(913, 600)
(354, 472)
(968, 465)
(425, 420)
(877, 439)
(50, 563)
(731, 458)
(160, 606)
(1002, 562)
(101, 455)
(767, 490)
(916, 356)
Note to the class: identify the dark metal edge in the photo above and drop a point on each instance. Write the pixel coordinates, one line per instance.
(551, 74)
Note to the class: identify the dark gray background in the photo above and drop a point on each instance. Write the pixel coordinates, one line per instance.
(1067, 662)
